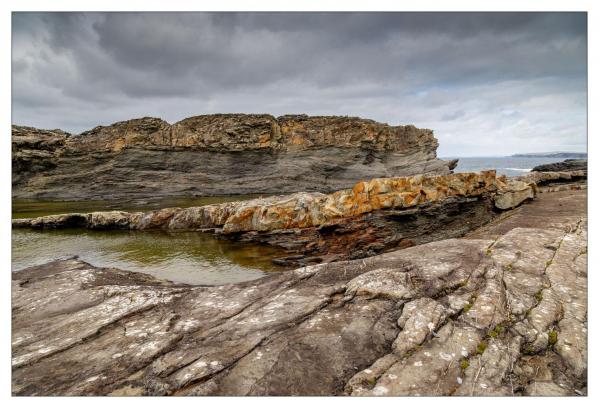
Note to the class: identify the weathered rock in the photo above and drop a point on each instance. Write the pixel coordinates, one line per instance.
(221, 154)
(552, 210)
(34, 151)
(512, 193)
(552, 177)
(453, 317)
(299, 210)
(373, 217)
(566, 165)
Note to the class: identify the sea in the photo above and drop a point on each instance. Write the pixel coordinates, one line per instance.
(510, 166)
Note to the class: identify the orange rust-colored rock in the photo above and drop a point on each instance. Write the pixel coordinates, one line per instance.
(299, 210)
(304, 210)
(373, 216)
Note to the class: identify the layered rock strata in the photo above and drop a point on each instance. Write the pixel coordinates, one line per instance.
(372, 217)
(453, 317)
(217, 155)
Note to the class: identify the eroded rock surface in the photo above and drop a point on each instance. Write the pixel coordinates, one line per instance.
(221, 154)
(453, 317)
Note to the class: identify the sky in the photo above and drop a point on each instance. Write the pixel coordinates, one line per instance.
(487, 84)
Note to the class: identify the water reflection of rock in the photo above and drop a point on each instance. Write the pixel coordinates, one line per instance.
(191, 257)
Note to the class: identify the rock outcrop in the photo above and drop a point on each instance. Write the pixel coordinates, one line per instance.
(566, 165)
(374, 216)
(453, 317)
(217, 155)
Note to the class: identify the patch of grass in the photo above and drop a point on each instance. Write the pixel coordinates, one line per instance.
(464, 364)
(497, 330)
(529, 350)
(549, 262)
(539, 296)
(509, 268)
(469, 305)
(552, 338)
(482, 346)
(489, 252)
(371, 381)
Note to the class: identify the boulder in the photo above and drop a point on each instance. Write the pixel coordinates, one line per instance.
(512, 193)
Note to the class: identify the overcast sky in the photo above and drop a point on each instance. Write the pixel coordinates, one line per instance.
(486, 83)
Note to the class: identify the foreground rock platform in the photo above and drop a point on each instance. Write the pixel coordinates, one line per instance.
(222, 154)
(504, 316)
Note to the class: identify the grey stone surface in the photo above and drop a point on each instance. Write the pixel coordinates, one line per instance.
(452, 317)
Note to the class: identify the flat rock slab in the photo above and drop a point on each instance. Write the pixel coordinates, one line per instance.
(453, 317)
(548, 210)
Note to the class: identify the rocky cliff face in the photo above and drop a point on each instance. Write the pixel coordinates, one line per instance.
(217, 155)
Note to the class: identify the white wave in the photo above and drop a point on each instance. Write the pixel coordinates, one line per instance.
(515, 169)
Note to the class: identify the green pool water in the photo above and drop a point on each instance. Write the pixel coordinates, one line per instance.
(187, 257)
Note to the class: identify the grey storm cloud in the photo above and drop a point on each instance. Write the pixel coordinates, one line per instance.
(486, 83)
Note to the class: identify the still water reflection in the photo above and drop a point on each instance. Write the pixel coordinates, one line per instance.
(188, 257)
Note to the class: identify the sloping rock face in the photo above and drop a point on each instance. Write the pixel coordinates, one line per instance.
(217, 155)
(453, 317)
(299, 210)
(566, 165)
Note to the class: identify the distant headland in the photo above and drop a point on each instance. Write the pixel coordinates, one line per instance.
(577, 155)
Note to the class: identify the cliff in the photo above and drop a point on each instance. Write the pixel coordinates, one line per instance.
(217, 155)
